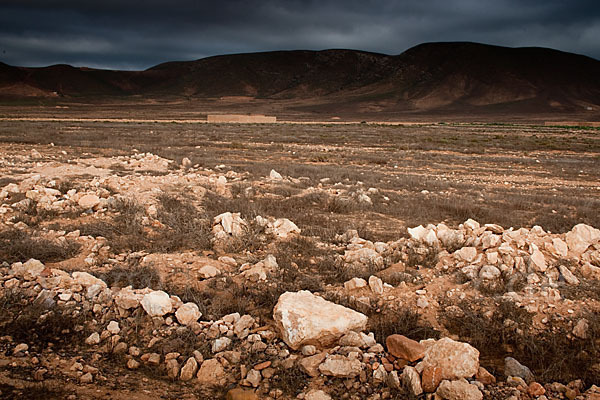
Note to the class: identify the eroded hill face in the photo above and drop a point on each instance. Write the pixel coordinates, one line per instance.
(459, 78)
(271, 261)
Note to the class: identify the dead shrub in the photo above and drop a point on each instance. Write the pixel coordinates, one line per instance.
(253, 238)
(186, 227)
(303, 262)
(552, 355)
(403, 322)
(33, 391)
(291, 381)
(139, 277)
(17, 245)
(39, 323)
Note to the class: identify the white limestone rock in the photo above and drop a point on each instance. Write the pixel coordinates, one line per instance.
(303, 318)
(580, 238)
(157, 303)
(187, 314)
(455, 359)
(340, 366)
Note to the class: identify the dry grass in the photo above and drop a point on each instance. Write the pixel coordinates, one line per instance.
(136, 276)
(552, 354)
(455, 163)
(39, 323)
(17, 245)
(404, 322)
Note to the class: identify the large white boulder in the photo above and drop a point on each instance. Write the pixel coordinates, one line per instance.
(303, 318)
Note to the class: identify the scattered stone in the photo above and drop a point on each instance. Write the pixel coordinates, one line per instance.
(221, 344)
(29, 270)
(340, 367)
(568, 275)
(229, 223)
(316, 394)
(376, 284)
(253, 378)
(431, 377)
(262, 365)
(458, 390)
(275, 175)
(485, 377)
(489, 272)
(151, 358)
(157, 303)
(86, 378)
(411, 380)
(538, 261)
(393, 381)
(211, 373)
(310, 365)
(455, 359)
(20, 348)
(133, 364)
(515, 369)
(187, 314)
(113, 327)
(303, 318)
(88, 201)
(467, 254)
(241, 394)
(355, 283)
(402, 347)
(127, 298)
(209, 271)
(535, 389)
(87, 280)
(581, 329)
(172, 368)
(93, 339)
(580, 238)
(242, 326)
(283, 228)
(308, 350)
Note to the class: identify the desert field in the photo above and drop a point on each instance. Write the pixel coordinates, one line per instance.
(149, 259)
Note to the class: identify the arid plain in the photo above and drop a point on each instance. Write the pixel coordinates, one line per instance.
(438, 260)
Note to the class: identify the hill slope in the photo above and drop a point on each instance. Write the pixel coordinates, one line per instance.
(452, 77)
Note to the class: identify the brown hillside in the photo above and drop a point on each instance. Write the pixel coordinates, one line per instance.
(432, 77)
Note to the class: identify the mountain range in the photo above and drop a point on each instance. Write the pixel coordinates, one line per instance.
(450, 77)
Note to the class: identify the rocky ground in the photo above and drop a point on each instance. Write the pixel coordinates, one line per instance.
(130, 275)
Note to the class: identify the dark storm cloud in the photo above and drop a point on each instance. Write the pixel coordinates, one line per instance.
(139, 34)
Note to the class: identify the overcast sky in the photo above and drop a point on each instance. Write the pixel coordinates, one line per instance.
(137, 34)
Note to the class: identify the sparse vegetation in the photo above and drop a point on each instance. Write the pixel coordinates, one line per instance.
(338, 181)
(17, 245)
(41, 322)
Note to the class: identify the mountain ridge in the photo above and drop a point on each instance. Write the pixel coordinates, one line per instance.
(440, 76)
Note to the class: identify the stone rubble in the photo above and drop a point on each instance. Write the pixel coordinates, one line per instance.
(322, 339)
